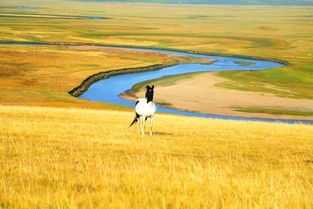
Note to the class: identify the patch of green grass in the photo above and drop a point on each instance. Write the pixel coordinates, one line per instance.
(198, 16)
(291, 81)
(244, 63)
(164, 104)
(273, 111)
(164, 81)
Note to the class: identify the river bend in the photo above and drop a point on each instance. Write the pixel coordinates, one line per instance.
(109, 89)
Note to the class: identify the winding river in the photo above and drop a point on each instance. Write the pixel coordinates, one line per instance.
(109, 89)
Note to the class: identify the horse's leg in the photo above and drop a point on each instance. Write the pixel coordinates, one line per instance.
(151, 124)
(139, 124)
(143, 125)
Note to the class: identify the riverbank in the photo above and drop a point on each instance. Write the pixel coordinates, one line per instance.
(83, 87)
(200, 92)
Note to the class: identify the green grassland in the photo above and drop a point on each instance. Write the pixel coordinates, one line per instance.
(272, 110)
(283, 33)
(164, 81)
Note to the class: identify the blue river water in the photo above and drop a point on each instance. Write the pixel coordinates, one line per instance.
(109, 89)
(25, 7)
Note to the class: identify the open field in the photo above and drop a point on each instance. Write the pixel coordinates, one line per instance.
(78, 158)
(271, 32)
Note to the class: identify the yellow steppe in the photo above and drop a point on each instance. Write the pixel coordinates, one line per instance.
(80, 158)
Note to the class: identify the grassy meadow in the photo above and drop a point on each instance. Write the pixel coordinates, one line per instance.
(279, 32)
(72, 153)
(78, 158)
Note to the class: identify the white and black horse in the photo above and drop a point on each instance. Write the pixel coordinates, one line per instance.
(145, 108)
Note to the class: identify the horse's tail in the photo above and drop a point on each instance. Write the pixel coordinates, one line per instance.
(135, 119)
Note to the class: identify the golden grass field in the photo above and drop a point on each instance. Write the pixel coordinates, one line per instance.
(78, 158)
(72, 153)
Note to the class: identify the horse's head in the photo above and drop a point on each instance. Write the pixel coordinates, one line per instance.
(149, 93)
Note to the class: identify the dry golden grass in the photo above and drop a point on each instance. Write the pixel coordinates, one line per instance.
(78, 158)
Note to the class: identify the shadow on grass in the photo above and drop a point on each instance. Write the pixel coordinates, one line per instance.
(161, 133)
